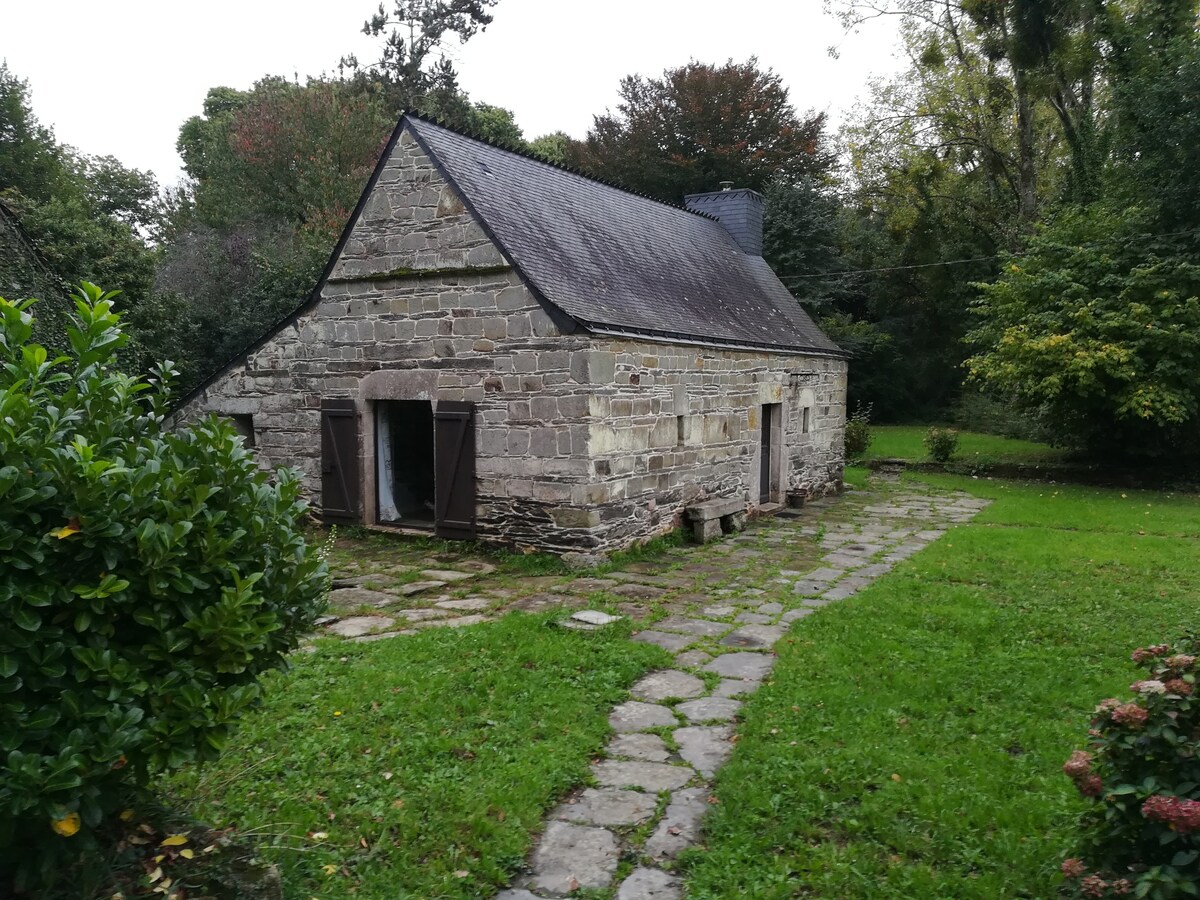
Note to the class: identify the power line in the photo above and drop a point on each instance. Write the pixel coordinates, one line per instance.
(974, 259)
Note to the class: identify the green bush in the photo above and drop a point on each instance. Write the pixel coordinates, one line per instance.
(941, 443)
(1142, 772)
(858, 432)
(149, 578)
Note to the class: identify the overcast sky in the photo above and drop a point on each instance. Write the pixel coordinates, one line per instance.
(120, 76)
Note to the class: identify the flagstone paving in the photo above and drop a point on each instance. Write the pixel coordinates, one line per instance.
(719, 608)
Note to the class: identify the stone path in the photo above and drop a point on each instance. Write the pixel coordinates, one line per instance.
(719, 609)
(653, 785)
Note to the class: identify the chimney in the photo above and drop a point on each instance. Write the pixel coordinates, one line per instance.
(739, 210)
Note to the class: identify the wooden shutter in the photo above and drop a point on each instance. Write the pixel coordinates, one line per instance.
(454, 470)
(339, 460)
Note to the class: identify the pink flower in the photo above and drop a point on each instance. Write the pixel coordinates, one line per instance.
(1093, 886)
(1145, 654)
(1073, 868)
(1130, 715)
(1078, 765)
(1121, 887)
(1151, 686)
(1182, 815)
(1179, 686)
(1107, 706)
(1090, 786)
(1180, 661)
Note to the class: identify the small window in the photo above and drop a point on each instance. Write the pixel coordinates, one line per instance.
(680, 430)
(243, 424)
(805, 419)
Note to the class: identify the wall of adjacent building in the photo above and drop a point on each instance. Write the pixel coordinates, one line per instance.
(577, 437)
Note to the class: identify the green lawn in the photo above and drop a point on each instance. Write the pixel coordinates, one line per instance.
(911, 742)
(905, 442)
(416, 767)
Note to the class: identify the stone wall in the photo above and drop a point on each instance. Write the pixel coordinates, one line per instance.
(578, 439)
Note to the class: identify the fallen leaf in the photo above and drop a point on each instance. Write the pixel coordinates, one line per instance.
(173, 840)
(72, 527)
(329, 869)
(461, 873)
(896, 777)
(318, 835)
(156, 874)
(67, 826)
(674, 829)
(126, 815)
(187, 853)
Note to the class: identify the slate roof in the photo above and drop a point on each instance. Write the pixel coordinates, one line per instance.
(619, 262)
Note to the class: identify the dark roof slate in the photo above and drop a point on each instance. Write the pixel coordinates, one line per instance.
(620, 262)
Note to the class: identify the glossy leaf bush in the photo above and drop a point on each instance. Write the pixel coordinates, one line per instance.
(1142, 772)
(149, 578)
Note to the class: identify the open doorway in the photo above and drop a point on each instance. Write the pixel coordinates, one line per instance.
(404, 458)
(770, 459)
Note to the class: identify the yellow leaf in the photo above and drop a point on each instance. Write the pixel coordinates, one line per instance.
(329, 870)
(174, 840)
(72, 527)
(66, 826)
(187, 853)
(127, 815)
(156, 874)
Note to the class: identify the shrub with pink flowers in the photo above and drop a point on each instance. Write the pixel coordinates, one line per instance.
(1142, 773)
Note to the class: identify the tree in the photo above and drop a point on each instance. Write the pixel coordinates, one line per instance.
(31, 161)
(700, 125)
(553, 147)
(412, 68)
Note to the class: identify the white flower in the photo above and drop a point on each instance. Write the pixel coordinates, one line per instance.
(1151, 687)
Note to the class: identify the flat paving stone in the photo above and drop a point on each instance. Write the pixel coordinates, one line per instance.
(825, 574)
(719, 612)
(650, 884)
(350, 597)
(735, 687)
(570, 857)
(874, 570)
(648, 776)
(793, 614)
(752, 666)
(353, 626)
(418, 587)
(658, 686)
(447, 575)
(750, 618)
(421, 615)
(710, 709)
(701, 627)
(841, 592)
(680, 825)
(771, 609)
(704, 747)
(634, 715)
(646, 747)
(608, 806)
(588, 585)
(467, 603)
(692, 658)
(668, 641)
(638, 591)
(517, 895)
(754, 636)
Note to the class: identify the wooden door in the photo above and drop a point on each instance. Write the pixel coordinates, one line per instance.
(339, 460)
(454, 470)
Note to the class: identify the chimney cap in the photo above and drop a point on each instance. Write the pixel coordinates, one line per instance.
(726, 185)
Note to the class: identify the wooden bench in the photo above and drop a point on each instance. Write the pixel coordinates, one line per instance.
(712, 518)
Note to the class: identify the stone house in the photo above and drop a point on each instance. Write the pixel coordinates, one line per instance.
(507, 349)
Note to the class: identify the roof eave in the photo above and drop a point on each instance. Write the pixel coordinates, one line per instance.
(663, 337)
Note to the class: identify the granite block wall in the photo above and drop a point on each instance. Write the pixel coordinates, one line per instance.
(583, 442)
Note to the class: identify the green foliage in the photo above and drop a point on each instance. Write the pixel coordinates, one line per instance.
(699, 125)
(858, 432)
(150, 577)
(552, 147)
(1142, 774)
(941, 443)
(801, 236)
(1097, 328)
